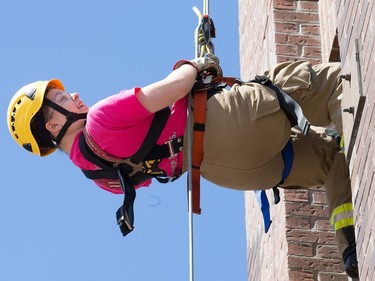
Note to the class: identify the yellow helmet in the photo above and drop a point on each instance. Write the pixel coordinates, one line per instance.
(26, 121)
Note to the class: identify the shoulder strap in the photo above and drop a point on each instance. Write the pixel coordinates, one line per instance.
(157, 126)
(125, 214)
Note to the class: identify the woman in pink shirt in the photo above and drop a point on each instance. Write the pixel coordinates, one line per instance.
(245, 132)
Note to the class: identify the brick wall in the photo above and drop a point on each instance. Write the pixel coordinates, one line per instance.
(356, 21)
(297, 30)
(257, 37)
(300, 244)
(328, 30)
(267, 253)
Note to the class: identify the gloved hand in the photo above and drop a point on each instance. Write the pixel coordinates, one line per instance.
(207, 63)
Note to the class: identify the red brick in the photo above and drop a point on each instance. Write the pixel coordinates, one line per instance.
(300, 249)
(309, 6)
(306, 209)
(312, 52)
(291, 16)
(323, 276)
(305, 236)
(284, 4)
(327, 251)
(310, 29)
(298, 222)
(291, 195)
(286, 27)
(298, 276)
(281, 58)
(284, 49)
(324, 225)
(309, 263)
(304, 40)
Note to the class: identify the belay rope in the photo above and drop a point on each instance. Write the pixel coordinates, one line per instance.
(203, 45)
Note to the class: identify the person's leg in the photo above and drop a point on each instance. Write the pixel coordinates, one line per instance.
(318, 160)
(325, 104)
(244, 134)
(339, 197)
(316, 88)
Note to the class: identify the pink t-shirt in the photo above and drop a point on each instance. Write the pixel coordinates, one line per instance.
(119, 124)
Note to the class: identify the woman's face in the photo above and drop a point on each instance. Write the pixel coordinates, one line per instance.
(70, 102)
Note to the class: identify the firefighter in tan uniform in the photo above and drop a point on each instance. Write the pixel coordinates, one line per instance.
(249, 116)
(246, 130)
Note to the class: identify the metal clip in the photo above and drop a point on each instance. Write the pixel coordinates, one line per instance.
(172, 153)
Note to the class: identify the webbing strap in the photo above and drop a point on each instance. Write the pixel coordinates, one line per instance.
(230, 81)
(291, 108)
(287, 154)
(199, 105)
(157, 126)
(264, 205)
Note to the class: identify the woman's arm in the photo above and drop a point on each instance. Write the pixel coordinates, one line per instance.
(177, 84)
(165, 92)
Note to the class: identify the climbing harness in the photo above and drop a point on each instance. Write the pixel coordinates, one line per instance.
(129, 172)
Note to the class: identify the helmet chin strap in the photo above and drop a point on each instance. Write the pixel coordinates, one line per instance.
(71, 117)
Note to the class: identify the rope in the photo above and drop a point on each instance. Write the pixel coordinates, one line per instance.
(203, 46)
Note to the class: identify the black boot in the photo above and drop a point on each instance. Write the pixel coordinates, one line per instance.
(349, 255)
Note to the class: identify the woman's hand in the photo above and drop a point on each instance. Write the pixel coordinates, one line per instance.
(208, 63)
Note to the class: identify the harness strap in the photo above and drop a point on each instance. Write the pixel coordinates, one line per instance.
(291, 108)
(287, 154)
(94, 154)
(199, 105)
(153, 134)
(230, 81)
(202, 92)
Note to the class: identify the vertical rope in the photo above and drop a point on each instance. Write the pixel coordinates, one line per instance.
(190, 189)
(205, 7)
(198, 52)
(190, 165)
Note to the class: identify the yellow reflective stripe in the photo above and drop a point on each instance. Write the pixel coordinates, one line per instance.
(343, 216)
(343, 223)
(341, 209)
(342, 145)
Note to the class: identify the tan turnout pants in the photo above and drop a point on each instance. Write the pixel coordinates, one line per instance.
(246, 130)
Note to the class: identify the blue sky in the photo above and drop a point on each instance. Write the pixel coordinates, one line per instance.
(55, 224)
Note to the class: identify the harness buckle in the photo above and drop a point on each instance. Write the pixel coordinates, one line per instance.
(136, 167)
(123, 221)
(171, 150)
